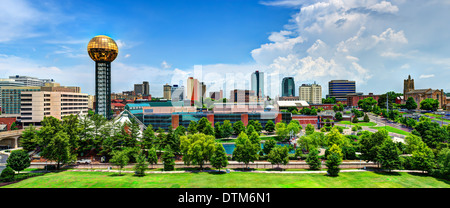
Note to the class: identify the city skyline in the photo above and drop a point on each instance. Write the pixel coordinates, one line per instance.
(376, 43)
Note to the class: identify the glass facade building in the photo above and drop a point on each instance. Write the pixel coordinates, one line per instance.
(11, 98)
(164, 121)
(258, 83)
(340, 88)
(288, 87)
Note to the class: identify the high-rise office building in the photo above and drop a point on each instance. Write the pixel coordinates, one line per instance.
(11, 98)
(142, 89)
(8, 83)
(103, 50)
(311, 93)
(39, 104)
(288, 87)
(339, 89)
(258, 84)
(138, 89)
(193, 90)
(203, 88)
(167, 92)
(242, 96)
(216, 95)
(146, 88)
(177, 93)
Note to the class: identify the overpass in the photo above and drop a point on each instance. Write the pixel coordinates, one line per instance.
(11, 138)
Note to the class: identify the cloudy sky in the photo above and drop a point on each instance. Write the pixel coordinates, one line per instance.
(377, 43)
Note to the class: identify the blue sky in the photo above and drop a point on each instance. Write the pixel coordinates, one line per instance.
(375, 42)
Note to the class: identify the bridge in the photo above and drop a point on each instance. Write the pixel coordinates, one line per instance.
(10, 139)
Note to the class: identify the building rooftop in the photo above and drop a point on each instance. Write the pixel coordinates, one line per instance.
(295, 103)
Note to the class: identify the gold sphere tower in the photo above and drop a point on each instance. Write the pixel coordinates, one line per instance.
(103, 50)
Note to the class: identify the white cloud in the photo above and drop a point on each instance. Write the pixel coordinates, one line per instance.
(165, 65)
(127, 56)
(384, 7)
(405, 66)
(425, 76)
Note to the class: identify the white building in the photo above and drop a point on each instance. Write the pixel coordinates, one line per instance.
(36, 105)
(311, 93)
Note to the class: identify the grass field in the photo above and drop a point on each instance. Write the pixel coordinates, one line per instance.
(232, 180)
(359, 123)
(392, 129)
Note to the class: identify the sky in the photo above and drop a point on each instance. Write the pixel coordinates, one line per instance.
(376, 43)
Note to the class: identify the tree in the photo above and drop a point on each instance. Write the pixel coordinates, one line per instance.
(367, 104)
(58, 149)
(443, 164)
(192, 128)
(218, 131)
(411, 103)
(429, 104)
(219, 158)
(279, 155)
(168, 159)
(227, 129)
(371, 142)
(355, 119)
(335, 137)
(268, 146)
(141, 164)
(152, 157)
(202, 123)
(388, 155)
(197, 149)
(431, 132)
(423, 158)
(282, 131)
(412, 143)
(7, 174)
(309, 129)
(245, 150)
(311, 141)
(238, 127)
(270, 126)
(120, 159)
(258, 126)
(208, 129)
(294, 127)
(18, 160)
(148, 138)
(250, 129)
(14, 126)
(338, 107)
(313, 160)
(332, 163)
(29, 141)
(366, 118)
(338, 116)
(334, 159)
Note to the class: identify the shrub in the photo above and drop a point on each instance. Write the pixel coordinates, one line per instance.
(7, 174)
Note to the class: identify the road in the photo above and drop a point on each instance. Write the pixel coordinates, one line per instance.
(383, 121)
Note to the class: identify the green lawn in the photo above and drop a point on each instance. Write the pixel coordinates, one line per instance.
(233, 180)
(359, 123)
(392, 129)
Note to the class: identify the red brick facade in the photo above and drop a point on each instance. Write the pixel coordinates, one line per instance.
(8, 122)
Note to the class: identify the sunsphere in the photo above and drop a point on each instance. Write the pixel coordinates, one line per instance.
(102, 48)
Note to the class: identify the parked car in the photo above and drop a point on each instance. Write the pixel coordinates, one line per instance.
(84, 161)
